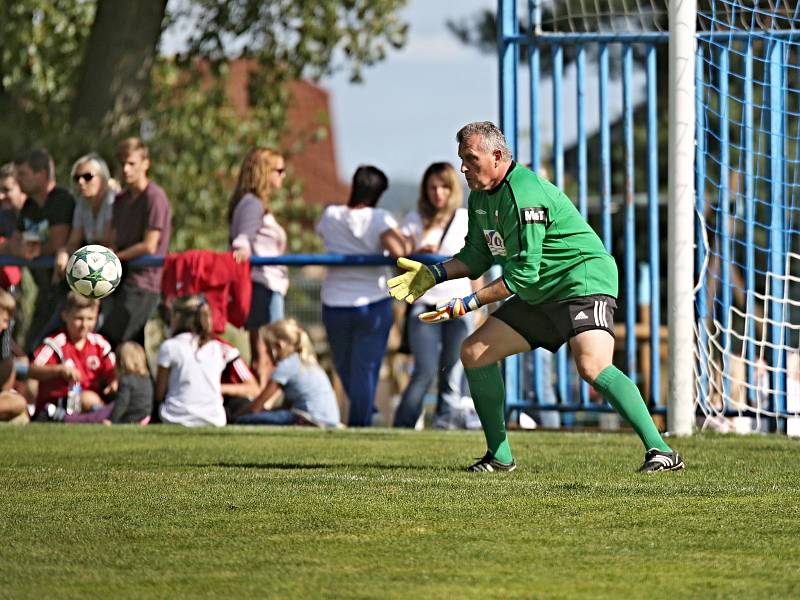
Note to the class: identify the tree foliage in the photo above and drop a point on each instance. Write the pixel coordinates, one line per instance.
(305, 38)
(198, 142)
(196, 136)
(41, 51)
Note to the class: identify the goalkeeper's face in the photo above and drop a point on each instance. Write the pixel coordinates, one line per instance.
(482, 169)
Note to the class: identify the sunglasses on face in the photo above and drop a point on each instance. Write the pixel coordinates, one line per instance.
(87, 177)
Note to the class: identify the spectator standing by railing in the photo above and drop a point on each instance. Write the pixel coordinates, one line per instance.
(355, 310)
(255, 232)
(140, 226)
(12, 199)
(44, 225)
(438, 226)
(94, 205)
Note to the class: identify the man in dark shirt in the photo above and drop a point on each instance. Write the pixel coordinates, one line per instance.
(141, 226)
(12, 199)
(43, 227)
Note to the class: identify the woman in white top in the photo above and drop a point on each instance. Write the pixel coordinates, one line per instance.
(91, 221)
(356, 309)
(190, 366)
(438, 226)
(255, 232)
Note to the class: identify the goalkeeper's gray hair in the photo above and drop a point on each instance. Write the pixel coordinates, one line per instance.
(491, 137)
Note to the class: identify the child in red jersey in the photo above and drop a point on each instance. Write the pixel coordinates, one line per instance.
(239, 384)
(74, 355)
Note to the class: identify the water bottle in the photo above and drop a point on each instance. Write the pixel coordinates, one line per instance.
(74, 399)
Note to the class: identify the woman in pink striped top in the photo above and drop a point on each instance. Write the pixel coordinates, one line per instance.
(255, 232)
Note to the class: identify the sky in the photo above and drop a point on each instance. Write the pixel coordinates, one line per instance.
(407, 112)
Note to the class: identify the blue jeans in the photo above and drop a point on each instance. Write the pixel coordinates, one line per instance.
(357, 337)
(436, 350)
(266, 306)
(268, 417)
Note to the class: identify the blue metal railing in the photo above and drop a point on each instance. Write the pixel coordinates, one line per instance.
(726, 126)
(291, 260)
(513, 372)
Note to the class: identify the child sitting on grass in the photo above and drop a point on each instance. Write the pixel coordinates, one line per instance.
(13, 406)
(190, 366)
(133, 401)
(297, 375)
(73, 355)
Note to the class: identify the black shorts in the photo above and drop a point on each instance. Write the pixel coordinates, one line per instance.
(550, 324)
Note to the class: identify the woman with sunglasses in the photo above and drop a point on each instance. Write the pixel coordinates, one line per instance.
(91, 221)
(255, 232)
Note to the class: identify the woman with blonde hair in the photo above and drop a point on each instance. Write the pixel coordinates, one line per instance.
(133, 400)
(298, 376)
(438, 226)
(94, 193)
(255, 232)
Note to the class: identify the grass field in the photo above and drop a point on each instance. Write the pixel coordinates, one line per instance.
(94, 512)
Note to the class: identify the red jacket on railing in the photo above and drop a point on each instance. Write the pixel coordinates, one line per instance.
(9, 274)
(225, 283)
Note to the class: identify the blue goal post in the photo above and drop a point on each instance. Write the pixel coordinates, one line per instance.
(597, 94)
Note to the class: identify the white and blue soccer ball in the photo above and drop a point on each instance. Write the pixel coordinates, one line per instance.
(93, 271)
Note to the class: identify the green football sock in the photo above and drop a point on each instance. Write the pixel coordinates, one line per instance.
(624, 396)
(488, 393)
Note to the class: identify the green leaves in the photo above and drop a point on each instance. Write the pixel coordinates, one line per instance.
(198, 144)
(308, 39)
(197, 137)
(42, 48)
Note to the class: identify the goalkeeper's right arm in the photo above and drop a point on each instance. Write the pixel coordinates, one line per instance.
(418, 278)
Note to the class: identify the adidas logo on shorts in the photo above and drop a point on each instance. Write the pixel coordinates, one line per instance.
(581, 316)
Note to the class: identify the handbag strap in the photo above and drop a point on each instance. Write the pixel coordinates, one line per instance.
(447, 227)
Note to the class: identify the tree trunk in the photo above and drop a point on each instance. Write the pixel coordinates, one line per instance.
(116, 69)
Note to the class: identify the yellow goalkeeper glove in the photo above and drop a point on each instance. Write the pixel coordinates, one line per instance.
(452, 309)
(416, 280)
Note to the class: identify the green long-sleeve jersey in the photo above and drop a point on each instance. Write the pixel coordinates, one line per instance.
(547, 250)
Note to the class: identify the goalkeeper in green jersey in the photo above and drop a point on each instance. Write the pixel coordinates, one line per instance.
(561, 286)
